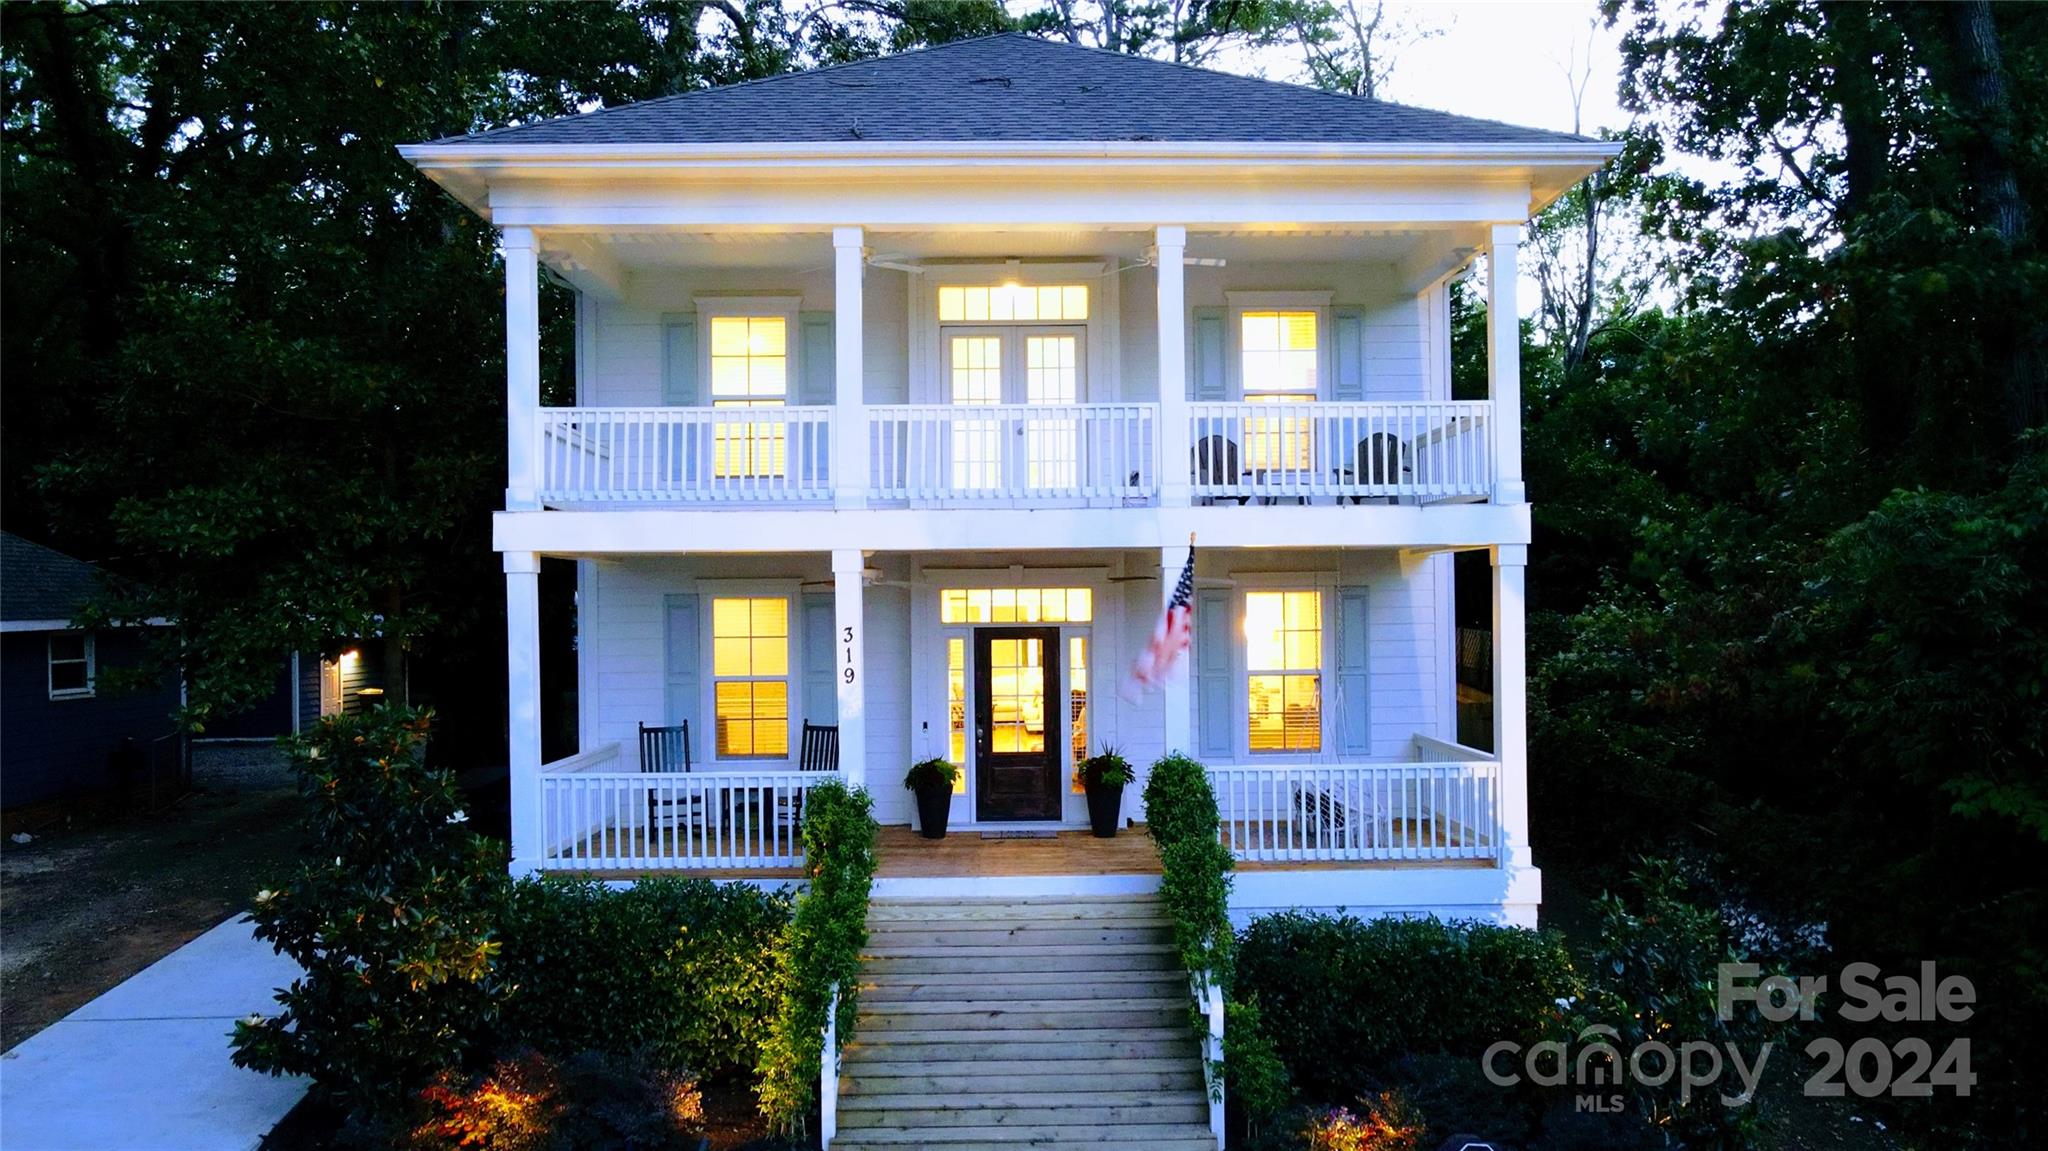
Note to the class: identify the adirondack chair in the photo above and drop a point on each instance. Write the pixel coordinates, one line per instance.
(667, 749)
(1382, 459)
(1214, 460)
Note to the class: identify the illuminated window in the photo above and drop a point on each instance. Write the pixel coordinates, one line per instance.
(1017, 605)
(71, 666)
(1016, 695)
(1283, 642)
(749, 369)
(1077, 703)
(750, 676)
(976, 367)
(1280, 357)
(1052, 375)
(956, 709)
(1013, 303)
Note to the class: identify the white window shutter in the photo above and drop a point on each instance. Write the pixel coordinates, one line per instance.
(1347, 354)
(1354, 727)
(821, 691)
(679, 361)
(684, 672)
(1215, 689)
(819, 384)
(1208, 377)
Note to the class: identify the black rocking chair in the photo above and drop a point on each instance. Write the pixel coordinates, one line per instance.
(667, 749)
(819, 751)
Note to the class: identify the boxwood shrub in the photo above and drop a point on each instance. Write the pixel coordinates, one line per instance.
(683, 970)
(1344, 1000)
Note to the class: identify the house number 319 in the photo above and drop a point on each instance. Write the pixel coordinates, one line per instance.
(846, 671)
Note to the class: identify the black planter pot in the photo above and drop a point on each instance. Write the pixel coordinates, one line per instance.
(934, 804)
(1105, 808)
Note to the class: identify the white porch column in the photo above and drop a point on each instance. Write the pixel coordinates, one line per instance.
(1170, 248)
(522, 661)
(1504, 364)
(1175, 695)
(1511, 700)
(850, 414)
(849, 667)
(522, 368)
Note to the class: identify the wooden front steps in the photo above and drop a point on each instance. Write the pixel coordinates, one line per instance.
(999, 1024)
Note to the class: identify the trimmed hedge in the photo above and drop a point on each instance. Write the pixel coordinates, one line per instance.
(1346, 999)
(683, 970)
(1194, 885)
(820, 949)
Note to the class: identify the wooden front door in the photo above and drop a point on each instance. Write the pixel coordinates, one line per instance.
(1016, 730)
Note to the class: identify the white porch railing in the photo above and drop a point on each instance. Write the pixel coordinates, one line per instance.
(947, 454)
(686, 455)
(1426, 451)
(595, 817)
(1437, 810)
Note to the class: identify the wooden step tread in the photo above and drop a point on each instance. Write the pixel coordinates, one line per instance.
(885, 950)
(1132, 1002)
(1159, 1135)
(1161, 1034)
(998, 1100)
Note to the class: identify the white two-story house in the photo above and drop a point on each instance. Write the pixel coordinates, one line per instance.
(903, 388)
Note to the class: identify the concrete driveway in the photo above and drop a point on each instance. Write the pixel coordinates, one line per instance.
(145, 1066)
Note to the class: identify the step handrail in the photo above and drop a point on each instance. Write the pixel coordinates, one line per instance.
(1208, 997)
(828, 1077)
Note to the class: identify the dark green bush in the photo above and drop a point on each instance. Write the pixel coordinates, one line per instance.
(682, 969)
(1258, 1085)
(1346, 999)
(1194, 885)
(1179, 804)
(392, 914)
(819, 950)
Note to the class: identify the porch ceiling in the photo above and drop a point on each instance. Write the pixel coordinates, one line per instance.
(1422, 251)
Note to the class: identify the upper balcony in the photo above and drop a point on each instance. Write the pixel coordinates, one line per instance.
(1018, 456)
(1009, 368)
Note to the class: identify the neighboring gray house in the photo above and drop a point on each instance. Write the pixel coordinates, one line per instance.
(61, 736)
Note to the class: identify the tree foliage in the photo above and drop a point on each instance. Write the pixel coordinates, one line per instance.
(1785, 616)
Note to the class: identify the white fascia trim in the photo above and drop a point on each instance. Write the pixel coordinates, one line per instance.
(15, 625)
(953, 152)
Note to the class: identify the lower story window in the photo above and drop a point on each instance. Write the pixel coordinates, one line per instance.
(750, 676)
(1283, 633)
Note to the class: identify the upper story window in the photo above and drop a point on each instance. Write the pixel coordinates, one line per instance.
(1013, 303)
(750, 676)
(1280, 353)
(749, 369)
(71, 666)
(1283, 647)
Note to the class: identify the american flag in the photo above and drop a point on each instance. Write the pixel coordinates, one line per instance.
(1170, 639)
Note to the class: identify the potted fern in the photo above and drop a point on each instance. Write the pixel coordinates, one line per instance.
(932, 780)
(1103, 776)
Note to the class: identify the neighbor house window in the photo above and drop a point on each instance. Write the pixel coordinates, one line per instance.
(1280, 358)
(1013, 303)
(71, 669)
(1283, 643)
(750, 676)
(749, 369)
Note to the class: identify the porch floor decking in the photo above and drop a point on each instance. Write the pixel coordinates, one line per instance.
(901, 853)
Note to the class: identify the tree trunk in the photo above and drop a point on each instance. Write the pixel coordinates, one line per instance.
(2013, 344)
(1889, 405)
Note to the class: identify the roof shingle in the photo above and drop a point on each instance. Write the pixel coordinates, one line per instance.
(37, 583)
(1013, 88)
